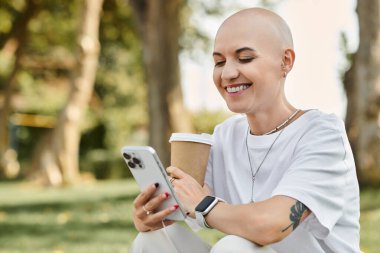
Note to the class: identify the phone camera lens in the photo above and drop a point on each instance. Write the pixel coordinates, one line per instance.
(131, 165)
(136, 160)
(127, 156)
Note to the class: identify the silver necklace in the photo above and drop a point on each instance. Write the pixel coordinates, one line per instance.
(253, 175)
(283, 123)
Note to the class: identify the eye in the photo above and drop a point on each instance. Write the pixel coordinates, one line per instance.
(246, 59)
(219, 63)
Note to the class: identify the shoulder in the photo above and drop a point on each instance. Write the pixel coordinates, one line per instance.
(322, 132)
(315, 120)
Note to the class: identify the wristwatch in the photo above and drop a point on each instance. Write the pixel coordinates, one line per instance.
(204, 207)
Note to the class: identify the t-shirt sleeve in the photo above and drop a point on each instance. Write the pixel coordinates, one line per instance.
(317, 177)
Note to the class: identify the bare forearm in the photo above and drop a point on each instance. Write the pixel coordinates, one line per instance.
(238, 220)
(262, 222)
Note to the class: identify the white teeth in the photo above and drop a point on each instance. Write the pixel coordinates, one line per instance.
(237, 89)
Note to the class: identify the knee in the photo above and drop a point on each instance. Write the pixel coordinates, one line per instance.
(138, 243)
(226, 245)
(233, 243)
(148, 242)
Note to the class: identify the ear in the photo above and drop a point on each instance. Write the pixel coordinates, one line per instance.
(288, 59)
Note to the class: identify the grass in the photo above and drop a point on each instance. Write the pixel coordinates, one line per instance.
(87, 218)
(96, 217)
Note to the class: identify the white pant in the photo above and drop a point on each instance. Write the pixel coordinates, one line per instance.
(183, 241)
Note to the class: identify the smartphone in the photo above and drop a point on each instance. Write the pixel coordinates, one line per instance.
(147, 169)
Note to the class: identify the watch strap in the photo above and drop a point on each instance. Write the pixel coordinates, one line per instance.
(201, 220)
(200, 217)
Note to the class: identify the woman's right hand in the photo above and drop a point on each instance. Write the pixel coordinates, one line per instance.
(149, 220)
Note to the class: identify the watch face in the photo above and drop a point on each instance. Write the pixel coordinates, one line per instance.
(201, 207)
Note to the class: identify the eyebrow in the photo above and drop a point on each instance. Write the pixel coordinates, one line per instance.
(237, 51)
(244, 49)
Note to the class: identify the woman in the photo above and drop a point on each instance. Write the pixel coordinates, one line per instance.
(285, 177)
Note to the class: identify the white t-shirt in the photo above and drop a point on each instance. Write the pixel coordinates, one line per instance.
(311, 161)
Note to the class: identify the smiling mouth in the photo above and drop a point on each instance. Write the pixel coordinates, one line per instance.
(238, 88)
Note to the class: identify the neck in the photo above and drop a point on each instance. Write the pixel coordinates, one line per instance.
(271, 122)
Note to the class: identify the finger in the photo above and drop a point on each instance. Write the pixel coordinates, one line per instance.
(166, 223)
(145, 195)
(153, 203)
(159, 216)
(169, 222)
(175, 172)
(171, 179)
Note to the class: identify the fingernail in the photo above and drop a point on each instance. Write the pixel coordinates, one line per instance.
(175, 207)
(166, 194)
(156, 185)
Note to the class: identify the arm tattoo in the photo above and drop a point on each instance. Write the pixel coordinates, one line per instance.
(298, 212)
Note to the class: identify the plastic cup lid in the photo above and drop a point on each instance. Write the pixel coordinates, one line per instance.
(201, 138)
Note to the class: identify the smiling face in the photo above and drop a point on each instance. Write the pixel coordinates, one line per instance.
(251, 54)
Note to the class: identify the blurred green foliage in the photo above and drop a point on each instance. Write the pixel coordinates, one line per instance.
(117, 113)
(205, 121)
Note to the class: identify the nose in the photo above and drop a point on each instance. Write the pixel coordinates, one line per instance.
(229, 71)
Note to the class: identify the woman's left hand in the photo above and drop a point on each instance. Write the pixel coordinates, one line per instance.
(188, 190)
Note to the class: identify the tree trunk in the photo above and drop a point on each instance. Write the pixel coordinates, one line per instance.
(159, 27)
(57, 155)
(362, 85)
(13, 46)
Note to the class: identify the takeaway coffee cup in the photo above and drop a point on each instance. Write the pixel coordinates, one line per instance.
(190, 152)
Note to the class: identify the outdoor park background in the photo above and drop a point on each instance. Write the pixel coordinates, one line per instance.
(81, 78)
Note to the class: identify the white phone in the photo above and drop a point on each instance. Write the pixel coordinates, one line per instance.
(147, 169)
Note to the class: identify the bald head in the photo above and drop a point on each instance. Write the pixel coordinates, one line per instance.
(253, 54)
(263, 23)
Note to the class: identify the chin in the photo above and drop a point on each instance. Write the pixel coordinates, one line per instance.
(236, 108)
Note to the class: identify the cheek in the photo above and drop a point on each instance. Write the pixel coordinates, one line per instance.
(216, 77)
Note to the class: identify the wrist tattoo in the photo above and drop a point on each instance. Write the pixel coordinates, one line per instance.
(298, 212)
